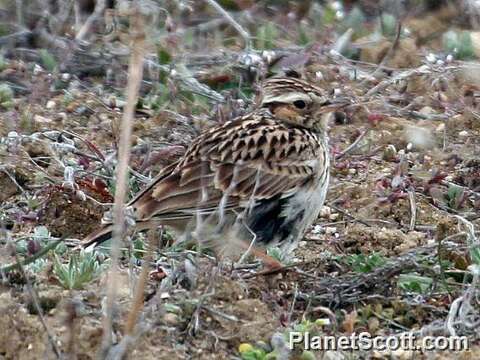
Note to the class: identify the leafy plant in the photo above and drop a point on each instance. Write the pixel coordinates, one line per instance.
(80, 270)
(6, 96)
(3, 63)
(249, 352)
(415, 283)
(279, 255)
(164, 57)
(48, 60)
(455, 196)
(266, 36)
(355, 20)
(475, 255)
(37, 265)
(459, 43)
(364, 263)
(388, 24)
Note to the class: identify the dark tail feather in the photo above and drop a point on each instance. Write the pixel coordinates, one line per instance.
(98, 236)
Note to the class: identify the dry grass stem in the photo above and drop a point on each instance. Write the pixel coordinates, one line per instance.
(135, 72)
(243, 33)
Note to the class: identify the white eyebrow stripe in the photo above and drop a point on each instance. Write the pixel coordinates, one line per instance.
(287, 97)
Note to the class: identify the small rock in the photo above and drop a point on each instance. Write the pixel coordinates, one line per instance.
(170, 319)
(325, 212)
(103, 116)
(333, 355)
(61, 116)
(390, 153)
(50, 104)
(402, 354)
(330, 230)
(427, 110)
(431, 58)
(463, 133)
(41, 120)
(373, 325)
(37, 69)
(317, 229)
(420, 138)
(440, 128)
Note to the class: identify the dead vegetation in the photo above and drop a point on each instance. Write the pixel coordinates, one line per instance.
(395, 249)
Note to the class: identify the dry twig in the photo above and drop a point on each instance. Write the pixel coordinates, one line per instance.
(243, 33)
(135, 73)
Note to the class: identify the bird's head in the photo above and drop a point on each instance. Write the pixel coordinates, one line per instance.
(298, 102)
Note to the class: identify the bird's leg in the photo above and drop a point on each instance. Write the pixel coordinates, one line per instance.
(269, 263)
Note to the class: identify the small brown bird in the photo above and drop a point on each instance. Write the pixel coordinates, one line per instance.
(265, 174)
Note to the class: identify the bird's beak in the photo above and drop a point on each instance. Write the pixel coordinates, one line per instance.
(335, 104)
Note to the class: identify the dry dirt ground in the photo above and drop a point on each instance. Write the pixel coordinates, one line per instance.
(391, 251)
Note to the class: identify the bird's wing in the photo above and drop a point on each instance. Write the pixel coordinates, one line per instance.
(248, 159)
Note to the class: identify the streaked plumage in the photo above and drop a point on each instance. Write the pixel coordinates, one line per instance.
(269, 168)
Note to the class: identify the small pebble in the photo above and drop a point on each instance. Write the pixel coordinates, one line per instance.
(325, 211)
(431, 58)
(170, 319)
(41, 119)
(330, 230)
(37, 69)
(317, 229)
(463, 133)
(426, 110)
(440, 128)
(164, 295)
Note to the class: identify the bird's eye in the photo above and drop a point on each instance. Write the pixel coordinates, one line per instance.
(299, 104)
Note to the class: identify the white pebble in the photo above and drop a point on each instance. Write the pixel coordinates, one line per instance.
(41, 120)
(330, 230)
(37, 69)
(317, 229)
(325, 211)
(431, 58)
(440, 128)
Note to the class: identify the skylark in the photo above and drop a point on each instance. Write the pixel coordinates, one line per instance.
(265, 174)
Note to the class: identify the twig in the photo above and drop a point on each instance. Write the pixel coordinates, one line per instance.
(243, 33)
(392, 80)
(220, 314)
(18, 264)
(413, 210)
(352, 145)
(347, 214)
(135, 73)
(391, 50)
(97, 12)
(138, 298)
(461, 310)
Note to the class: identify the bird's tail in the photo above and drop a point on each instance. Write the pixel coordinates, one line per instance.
(98, 236)
(104, 233)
